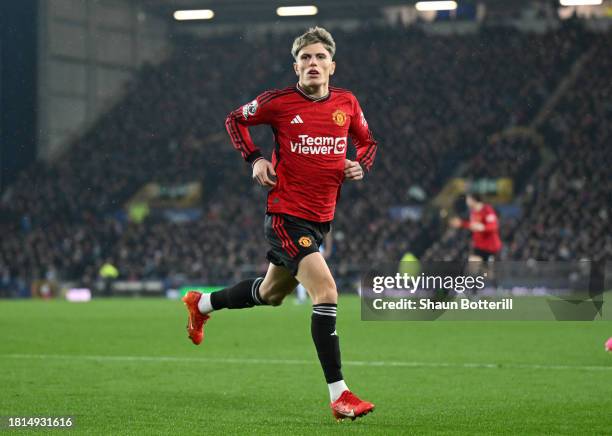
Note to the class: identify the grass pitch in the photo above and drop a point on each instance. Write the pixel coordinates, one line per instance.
(125, 366)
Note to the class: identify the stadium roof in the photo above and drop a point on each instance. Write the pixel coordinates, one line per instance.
(245, 11)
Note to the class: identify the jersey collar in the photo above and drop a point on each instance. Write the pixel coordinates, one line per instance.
(307, 97)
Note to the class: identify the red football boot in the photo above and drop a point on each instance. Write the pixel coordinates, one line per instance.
(196, 320)
(348, 405)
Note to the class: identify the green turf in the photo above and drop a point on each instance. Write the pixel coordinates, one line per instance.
(257, 373)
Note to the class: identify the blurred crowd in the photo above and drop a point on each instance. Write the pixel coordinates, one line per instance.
(566, 204)
(433, 103)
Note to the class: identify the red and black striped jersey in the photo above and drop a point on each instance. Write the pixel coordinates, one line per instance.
(311, 138)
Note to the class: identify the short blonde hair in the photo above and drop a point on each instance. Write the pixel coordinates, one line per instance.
(313, 36)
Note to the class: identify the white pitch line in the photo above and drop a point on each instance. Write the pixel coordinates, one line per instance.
(390, 363)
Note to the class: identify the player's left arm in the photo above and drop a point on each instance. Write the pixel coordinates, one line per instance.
(363, 140)
(491, 223)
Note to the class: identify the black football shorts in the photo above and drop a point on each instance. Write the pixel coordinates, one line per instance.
(487, 256)
(292, 238)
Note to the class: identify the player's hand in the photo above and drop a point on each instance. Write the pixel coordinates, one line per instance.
(477, 227)
(264, 174)
(352, 170)
(455, 222)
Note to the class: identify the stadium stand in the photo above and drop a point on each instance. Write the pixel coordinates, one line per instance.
(564, 205)
(567, 205)
(433, 103)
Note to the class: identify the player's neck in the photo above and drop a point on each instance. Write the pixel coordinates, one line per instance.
(315, 92)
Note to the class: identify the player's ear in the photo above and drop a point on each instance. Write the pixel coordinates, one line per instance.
(332, 68)
(296, 69)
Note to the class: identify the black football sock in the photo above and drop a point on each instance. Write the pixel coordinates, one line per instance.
(323, 329)
(240, 296)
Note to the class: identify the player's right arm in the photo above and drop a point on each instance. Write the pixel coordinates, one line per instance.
(489, 224)
(258, 111)
(458, 223)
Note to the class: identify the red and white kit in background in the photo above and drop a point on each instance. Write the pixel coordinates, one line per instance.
(311, 138)
(487, 240)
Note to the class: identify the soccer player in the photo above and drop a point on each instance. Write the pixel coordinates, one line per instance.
(484, 226)
(311, 122)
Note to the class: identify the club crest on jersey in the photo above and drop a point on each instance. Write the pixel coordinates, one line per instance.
(305, 241)
(249, 109)
(339, 117)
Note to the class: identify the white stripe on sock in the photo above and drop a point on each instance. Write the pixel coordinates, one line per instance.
(325, 309)
(254, 288)
(323, 313)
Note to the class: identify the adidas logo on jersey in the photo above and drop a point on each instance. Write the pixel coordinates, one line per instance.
(297, 120)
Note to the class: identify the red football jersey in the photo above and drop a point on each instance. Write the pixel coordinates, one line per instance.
(488, 239)
(311, 138)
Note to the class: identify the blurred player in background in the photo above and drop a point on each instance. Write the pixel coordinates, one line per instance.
(325, 249)
(311, 123)
(484, 225)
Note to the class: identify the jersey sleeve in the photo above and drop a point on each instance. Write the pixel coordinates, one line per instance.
(258, 111)
(362, 137)
(490, 220)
